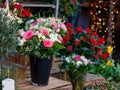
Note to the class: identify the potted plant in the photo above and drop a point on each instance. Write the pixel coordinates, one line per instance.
(76, 67)
(88, 46)
(41, 39)
(8, 28)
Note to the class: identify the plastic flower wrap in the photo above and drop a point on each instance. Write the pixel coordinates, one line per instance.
(42, 37)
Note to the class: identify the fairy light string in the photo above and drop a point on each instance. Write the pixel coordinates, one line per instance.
(102, 19)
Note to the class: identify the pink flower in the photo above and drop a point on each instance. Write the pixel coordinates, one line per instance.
(77, 57)
(45, 31)
(28, 35)
(35, 22)
(48, 43)
(60, 39)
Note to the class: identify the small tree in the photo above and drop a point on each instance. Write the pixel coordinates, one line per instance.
(8, 27)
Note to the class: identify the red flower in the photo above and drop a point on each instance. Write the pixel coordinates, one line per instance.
(95, 34)
(79, 30)
(67, 38)
(105, 55)
(76, 43)
(70, 48)
(17, 6)
(101, 40)
(70, 31)
(92, 48)
(25, 13)
(69, 24)
(96, 57)
(88, 30)
(84, 39)
(92, 40)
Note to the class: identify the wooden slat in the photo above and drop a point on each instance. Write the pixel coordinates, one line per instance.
(54, 84)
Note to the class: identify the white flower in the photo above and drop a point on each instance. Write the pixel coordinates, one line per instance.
(41, 36)
(34, 26)
(82, 57)
(67, 60)
(78, 63)
(53, 37)
(85, 61)
(21, 41)
(21, 32)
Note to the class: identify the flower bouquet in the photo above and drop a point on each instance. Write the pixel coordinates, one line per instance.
(41, 39)
(76, 66)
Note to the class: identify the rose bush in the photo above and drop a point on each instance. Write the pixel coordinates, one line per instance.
(84, 42)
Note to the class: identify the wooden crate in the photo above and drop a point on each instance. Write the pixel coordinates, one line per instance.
(17, 65)
(54, 84)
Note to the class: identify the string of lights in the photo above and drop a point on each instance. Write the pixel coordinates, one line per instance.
(102, 18)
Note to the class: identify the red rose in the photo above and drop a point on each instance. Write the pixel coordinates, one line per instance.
(70, 48)
(25, 13)
(67, 38)
(79, 30)
(88, 30)
(69, 24)
(70, 31)
(84, 39)
(105, 55)
(17, 6)
(92, 40)
(101, 40)
(76, 43)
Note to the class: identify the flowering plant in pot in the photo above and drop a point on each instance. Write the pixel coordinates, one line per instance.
(41, 39)
(84, 43)
(76, 66)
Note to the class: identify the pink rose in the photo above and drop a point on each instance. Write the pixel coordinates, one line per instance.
(77, 57)
(45, 31)
(48, 43)
(28, 35)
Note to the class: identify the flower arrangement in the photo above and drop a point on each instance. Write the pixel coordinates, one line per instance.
(76, 67)
(76, 63)
(42, 37)
(69, 7)
(84, 42)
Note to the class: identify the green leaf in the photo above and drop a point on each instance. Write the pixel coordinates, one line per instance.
(58, 46)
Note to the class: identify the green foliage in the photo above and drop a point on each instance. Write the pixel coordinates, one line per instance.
(8, 28)
(112, 73)
(68, 7)
(116, 75)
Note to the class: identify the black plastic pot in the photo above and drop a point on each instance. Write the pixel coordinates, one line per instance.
(40, 70)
